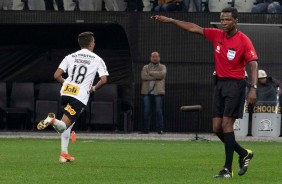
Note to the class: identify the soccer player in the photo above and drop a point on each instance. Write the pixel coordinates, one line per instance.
(232, 51)
(81, 68)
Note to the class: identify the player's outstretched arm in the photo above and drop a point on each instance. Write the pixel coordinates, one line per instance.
(188, 26)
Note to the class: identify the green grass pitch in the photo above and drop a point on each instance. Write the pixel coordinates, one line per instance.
(35, 161)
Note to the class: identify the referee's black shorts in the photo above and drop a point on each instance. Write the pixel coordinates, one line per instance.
(72, 107)
(229, 97)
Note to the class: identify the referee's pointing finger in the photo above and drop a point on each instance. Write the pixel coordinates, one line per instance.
(162, 18)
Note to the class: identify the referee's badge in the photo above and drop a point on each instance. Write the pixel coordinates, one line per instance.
(231, 54)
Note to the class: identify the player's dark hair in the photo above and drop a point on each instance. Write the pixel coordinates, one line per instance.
(85, 38)
(232, 10)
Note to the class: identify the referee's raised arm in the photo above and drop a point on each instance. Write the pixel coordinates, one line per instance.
(188, 26)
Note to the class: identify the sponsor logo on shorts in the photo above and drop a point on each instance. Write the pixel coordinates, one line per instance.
(70, 89)
(70, 110)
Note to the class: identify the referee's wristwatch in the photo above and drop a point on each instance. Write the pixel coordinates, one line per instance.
(254, 86)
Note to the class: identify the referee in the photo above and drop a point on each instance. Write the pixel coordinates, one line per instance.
(232, 51)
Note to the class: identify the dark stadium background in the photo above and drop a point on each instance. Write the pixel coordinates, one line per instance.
(32, 44)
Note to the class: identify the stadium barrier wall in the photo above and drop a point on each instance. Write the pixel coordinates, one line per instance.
(188, 57)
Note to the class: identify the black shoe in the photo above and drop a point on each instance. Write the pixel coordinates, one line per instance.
(224, 173)
(160, 132)
(244, 162)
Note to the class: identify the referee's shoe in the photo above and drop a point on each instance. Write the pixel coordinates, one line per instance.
(244, 162)
(224, 173)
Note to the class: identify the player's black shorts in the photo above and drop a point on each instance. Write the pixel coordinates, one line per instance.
(229, 97)
(72, 107)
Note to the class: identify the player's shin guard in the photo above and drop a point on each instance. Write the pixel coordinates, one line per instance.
(229, 142)
(59, 126)
(65, 137)
(220, 136)
(238, 149)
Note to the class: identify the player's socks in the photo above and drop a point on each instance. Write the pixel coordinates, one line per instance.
(65, 137)
(59, 125)
(238, 149)
(229, 142)
(220, 136)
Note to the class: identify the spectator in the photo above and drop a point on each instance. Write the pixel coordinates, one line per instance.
(6, 4)
(28, 5)
(94, 5)
(148, 5)
(77, 5)
(114, 5)
(267, 87)
(240, 5)
(197, 3)
(217, 5)
(243, 5)
(110, 5)
(135, 5)
(153, 90)
(166, 5)
(267, 6)
(54, 4)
